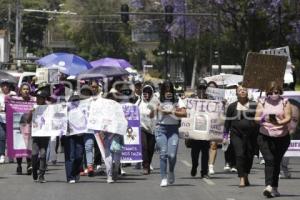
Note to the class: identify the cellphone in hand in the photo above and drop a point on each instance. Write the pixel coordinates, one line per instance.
(272, 117)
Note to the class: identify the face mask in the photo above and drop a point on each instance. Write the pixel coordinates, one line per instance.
(169, 96)
(274, 97)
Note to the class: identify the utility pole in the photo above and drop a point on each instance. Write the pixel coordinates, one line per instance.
(18, 31)
(219, 30)
(8, 25)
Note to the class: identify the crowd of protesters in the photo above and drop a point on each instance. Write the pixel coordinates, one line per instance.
(249, 126)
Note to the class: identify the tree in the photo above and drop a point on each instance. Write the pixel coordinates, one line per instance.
(94, 35)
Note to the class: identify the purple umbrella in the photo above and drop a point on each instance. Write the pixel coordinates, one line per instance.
(111, 62)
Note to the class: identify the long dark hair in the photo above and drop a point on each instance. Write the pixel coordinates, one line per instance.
(163, 88)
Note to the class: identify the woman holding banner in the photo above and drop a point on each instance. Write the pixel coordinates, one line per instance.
(243, 133)
(166, 133)
(274, 114)
(25, 127)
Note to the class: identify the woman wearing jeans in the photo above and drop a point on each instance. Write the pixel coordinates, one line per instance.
(273, 113)
(166, 133)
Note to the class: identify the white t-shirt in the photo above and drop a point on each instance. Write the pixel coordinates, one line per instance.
(169, 106)
(2, 106)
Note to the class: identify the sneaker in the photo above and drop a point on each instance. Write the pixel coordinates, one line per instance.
(54, 162)
(227, 167)
(90, 171)
(72, 181)
(233, 169)
(109, 179)
(262, 162)
(29, 170)
(268, 192)
(151, 168)
(287, 174)
(42, 179)
(193, 171)
(2, 159)
(123, 171)
(206, 176)
(171, 177)
(211, 170)
(275, 192)
(164, 182)
(19, 170)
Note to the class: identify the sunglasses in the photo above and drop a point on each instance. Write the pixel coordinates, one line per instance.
(126, 92)
(273, 92)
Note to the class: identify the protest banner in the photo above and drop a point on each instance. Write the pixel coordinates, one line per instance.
(215, 93)
(261, 69)
(78, 113)
(294, 149)
(18, 127)
(280, 51)
(107, 115)
(50, 120)
(222, 94)
(132, 150)
(205, 120)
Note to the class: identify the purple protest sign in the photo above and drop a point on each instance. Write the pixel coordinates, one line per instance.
(132, 150)
(18, 129)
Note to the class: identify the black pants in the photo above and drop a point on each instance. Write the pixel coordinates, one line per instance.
(39, 150)
(73, 146)
(19, 161)
(148, 144)
(97, 154)
(272, 150)
(230, 156)
(203, 146)
(244, 151)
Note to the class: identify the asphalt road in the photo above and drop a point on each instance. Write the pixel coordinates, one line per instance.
(135, 186)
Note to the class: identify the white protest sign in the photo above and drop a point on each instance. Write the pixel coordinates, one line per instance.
(222, 94)
(78, 113)
(205, 120)
(280, 51)
(49, 120)
(47, 75)
(107, 115)
(294, 149)
(215, 93)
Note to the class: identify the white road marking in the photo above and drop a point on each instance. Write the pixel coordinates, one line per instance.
(186, 163)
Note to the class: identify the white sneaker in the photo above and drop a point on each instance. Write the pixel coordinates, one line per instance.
(164, 182)
(211, 170)
(109, 179)
(72, 181)
(2, 159)
(275, 192)
(151, 168)
(98, 167)
(227, 167)
(268, 192)
(122, 171)
(262, 162)
(233, 169)
(171, 177)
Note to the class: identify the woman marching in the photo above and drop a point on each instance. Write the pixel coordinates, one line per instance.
(273, 113)
(25, 126)
(243, 133)
(147, 106)
(166, 133)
